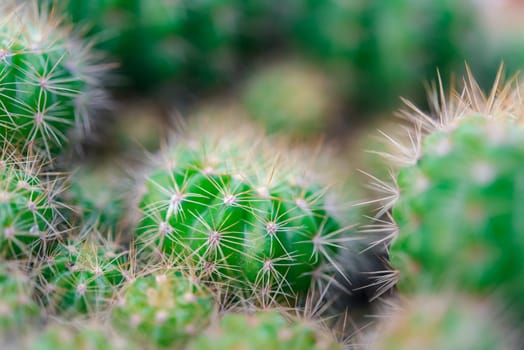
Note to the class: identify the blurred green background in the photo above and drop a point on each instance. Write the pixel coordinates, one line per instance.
(304, 67)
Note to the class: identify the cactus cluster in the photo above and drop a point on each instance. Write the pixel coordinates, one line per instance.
(232, 239)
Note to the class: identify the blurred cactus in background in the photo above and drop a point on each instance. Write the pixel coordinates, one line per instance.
(303, 112)
(158, 41)
(263, 330)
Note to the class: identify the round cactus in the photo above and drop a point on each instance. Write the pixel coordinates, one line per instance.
(262, 330)
(17, 309)
(290, 97)
(459, 202)
(82, 275)
(28, 211)
(163, 309)
(162, 40)
(443, 322)
(95, 194)
(49, 79)
(223, 200)
(82, 336)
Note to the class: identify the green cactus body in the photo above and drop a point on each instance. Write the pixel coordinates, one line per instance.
(458, 211)
(443, 322)
(164, 309)
(17, 309)
(290, 97)
(163, 40)
(48, 78)
(85, 337)
(28, 212)
(262, 330)
(234, 211)
(459, 193)
(82, 276)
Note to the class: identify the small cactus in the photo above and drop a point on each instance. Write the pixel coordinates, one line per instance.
(291, 97)
(29, 213)
(223, 200)
(82, 275)
(164, 309)
(85, 336)
(48, 77)
(17, 308)
(95, 194)
(443, 322)
(263, 330)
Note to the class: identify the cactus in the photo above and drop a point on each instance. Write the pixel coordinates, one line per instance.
(82, 274)
(443, 322)
(383, 45)
(95, 193)
(262, 330)
(17, 309)
(158, 41)
(459, 196)
(86, 336)
(225, 201)
(49, 79)
(29, 213)
(164, 309)
(290, 97)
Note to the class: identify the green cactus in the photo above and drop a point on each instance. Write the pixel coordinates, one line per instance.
(158, 41)
(262, 330)
(29, 212)
(291, 97)
(17, 308)
(85, 336)
(223, 200)
(443, 322)
(95, 192)
(82, 275)
(459, 202)
(49, 79)
(164, 309)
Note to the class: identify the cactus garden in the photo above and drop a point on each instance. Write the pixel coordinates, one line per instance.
(256, 174)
